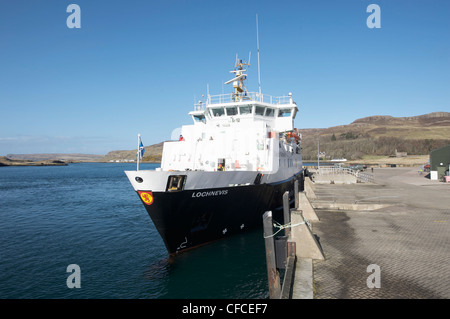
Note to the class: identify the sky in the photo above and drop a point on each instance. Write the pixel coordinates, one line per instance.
(136, 67)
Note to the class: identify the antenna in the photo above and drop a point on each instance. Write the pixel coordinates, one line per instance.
(240, 91)
(257, 45)
(238, 77)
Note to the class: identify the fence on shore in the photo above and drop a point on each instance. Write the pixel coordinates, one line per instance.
(360, 176)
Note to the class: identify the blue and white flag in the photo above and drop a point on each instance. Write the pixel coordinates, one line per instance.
(141, 150)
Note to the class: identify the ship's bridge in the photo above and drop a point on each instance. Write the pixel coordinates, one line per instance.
(277, 112)
(240, 132)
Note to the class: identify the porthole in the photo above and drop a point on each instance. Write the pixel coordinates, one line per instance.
(138, 179)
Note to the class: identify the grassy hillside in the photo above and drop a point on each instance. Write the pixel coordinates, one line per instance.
(379, 135)
(152, 153)
(5, 161)
(66, 157)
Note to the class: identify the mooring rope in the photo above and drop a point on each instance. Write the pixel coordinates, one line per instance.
(288, 225)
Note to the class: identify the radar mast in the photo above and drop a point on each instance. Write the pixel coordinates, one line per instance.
(240, 91)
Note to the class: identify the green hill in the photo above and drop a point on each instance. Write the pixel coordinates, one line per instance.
(5, 161)
(153, 153)
(379, 135)
(66, 157)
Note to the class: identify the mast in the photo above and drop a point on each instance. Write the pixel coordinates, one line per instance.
(257, 45)
(240, 91)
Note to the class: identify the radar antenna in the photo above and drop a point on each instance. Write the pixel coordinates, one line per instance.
(240, 91)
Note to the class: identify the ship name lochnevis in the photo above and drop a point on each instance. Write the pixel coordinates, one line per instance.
(210, 193)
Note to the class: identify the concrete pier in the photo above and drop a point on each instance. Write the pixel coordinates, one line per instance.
(303, 282)
(307, 246)
(388, 239)
(401, 225)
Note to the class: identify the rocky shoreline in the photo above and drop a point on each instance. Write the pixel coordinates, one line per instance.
(4, 161)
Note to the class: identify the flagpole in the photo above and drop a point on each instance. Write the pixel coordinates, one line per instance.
(138, 151)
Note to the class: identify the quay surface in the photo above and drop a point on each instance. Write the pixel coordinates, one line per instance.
(401, 224)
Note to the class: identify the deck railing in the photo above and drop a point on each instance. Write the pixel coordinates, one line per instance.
(250, 96)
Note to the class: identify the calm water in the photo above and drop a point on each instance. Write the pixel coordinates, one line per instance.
(88, 214)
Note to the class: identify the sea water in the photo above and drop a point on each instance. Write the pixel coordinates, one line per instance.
(88, 215)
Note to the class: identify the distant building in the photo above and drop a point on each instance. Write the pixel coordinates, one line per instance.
(440, 162)
(400, 154)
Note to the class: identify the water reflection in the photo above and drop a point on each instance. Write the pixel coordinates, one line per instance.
(232, 268)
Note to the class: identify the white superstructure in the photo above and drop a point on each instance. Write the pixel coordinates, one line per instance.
(241, 135)
(240, 132)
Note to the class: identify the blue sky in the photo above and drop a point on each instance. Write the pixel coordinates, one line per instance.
(136, 66)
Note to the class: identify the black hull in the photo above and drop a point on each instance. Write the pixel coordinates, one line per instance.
(190, 218)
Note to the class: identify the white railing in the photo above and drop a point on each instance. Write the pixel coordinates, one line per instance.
(364, 177)
(361, 177)
(326, 170)
(250, 96)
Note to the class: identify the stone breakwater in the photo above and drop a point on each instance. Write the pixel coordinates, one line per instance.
(4, 161)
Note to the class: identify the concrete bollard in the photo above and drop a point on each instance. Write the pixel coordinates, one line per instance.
(309, 188)
(308, 211)
(306, 244)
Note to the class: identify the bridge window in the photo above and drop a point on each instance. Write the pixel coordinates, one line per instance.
(200, 118)
(219, 111)
(231, 111)
(284, 113)
(270, 112)
(245, 110)
(259, 110)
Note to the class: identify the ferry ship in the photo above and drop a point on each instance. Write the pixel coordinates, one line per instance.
(235, 162)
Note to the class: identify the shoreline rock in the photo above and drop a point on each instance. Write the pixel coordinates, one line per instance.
(4, 161)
